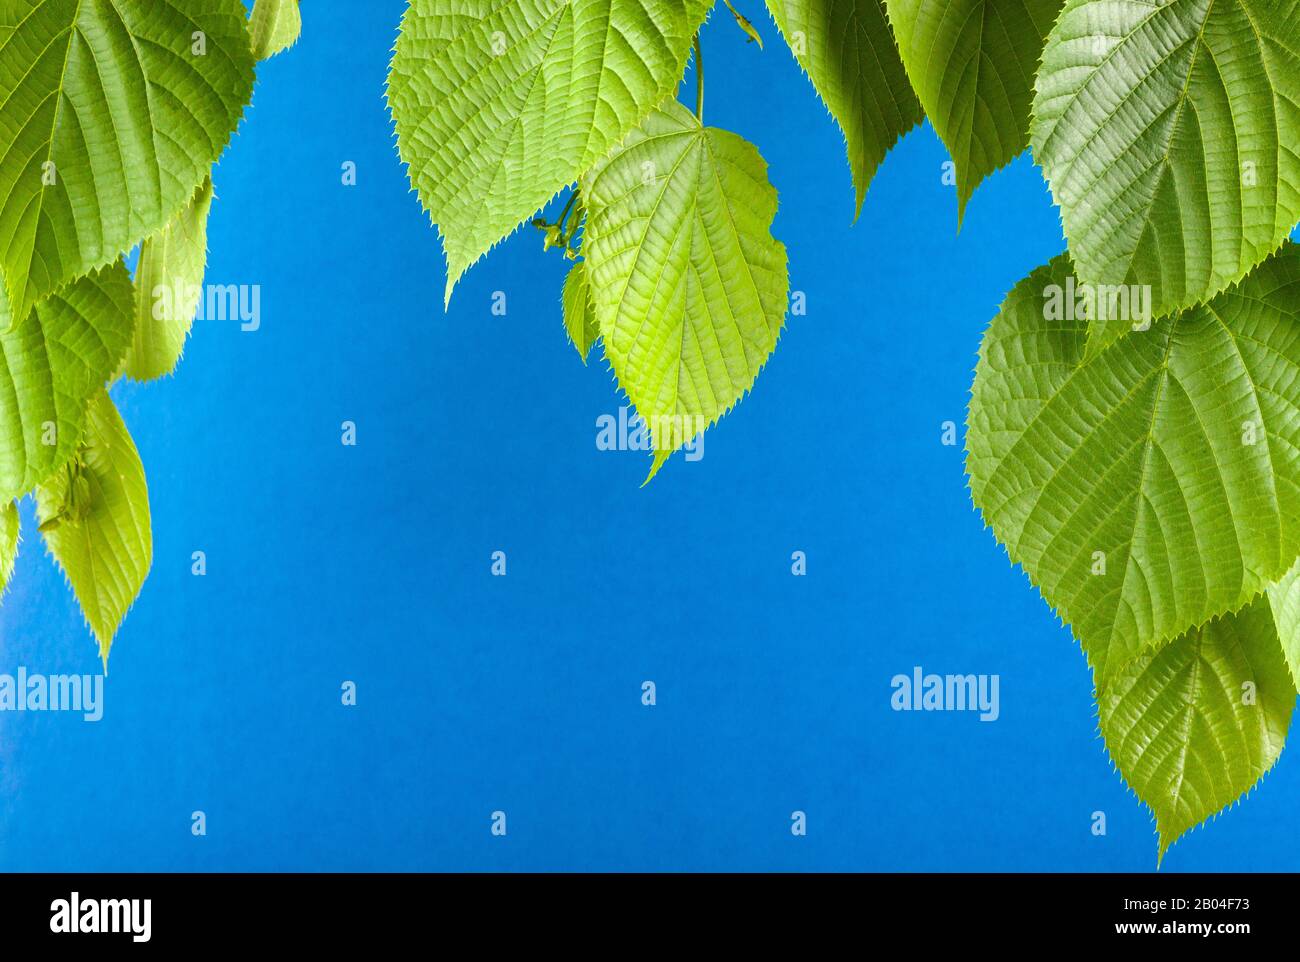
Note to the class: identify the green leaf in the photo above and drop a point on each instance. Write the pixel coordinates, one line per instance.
(168, 288)
(276, 26)
(110, 119)
(579, 315)
(1284, 597)
(8, 542)
(972, 63)
(1169, 134)
(688, 284)
(1193, 725)
(95, 516)
(848, 52)
(499, 106)
(1156, 485)
(50, 365)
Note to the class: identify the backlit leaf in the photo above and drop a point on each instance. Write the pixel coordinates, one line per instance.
(111, 114)
(1169, 131)
(579, 315)
(168, 289)
(1193, 725)
(50, 365)
(95, 517)
(688, 284)
(848, 52)
(499, 106)
(1156, 485)
(275, 25)
(972, 63)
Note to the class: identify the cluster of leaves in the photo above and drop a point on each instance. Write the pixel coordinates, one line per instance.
(1145, 475)
(111, 118)
(1143, 466)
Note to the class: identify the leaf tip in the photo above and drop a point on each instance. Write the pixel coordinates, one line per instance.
(661, 457)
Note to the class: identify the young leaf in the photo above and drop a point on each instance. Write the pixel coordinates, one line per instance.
(8, 542)
(972, 63)
(848, 52)
(50, 365)
(688, 284)
(751, 35)
(95, 516)
(1168, 132)
(1193, 725)
(579, 316)
(500, 105)
(275, 25)
(1157, 484)
(168, 288)
(111, 115)
(1284, 597)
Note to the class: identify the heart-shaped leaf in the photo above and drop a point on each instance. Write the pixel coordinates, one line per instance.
(1170, 134)
(688, 284)
(1156, 485)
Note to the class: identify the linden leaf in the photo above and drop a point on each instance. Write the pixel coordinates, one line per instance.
(1169, 132)
(579, 316)
(848, 52)
(688, 285)
(50, 365)
(111, 114)
(95, 517)
(168, 289)
(972, 63)
(1193, 725)
(498, 106)
(275, 25)
(1156, 485)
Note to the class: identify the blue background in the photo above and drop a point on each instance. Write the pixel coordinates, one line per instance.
(476, 433)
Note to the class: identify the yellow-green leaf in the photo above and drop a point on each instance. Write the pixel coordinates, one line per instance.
(688, 284)
(94, 514)
(276, 26)
(111, 114)
(1157, 484)
(499, 106)
(1193, 725)
(8, 543)
(1170, 134)
(849, 54)
(50, 365)
(579, 315)
(168, 289)
(973, 63)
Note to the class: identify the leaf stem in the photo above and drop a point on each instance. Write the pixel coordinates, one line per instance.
(564, 214)
(699, 80)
